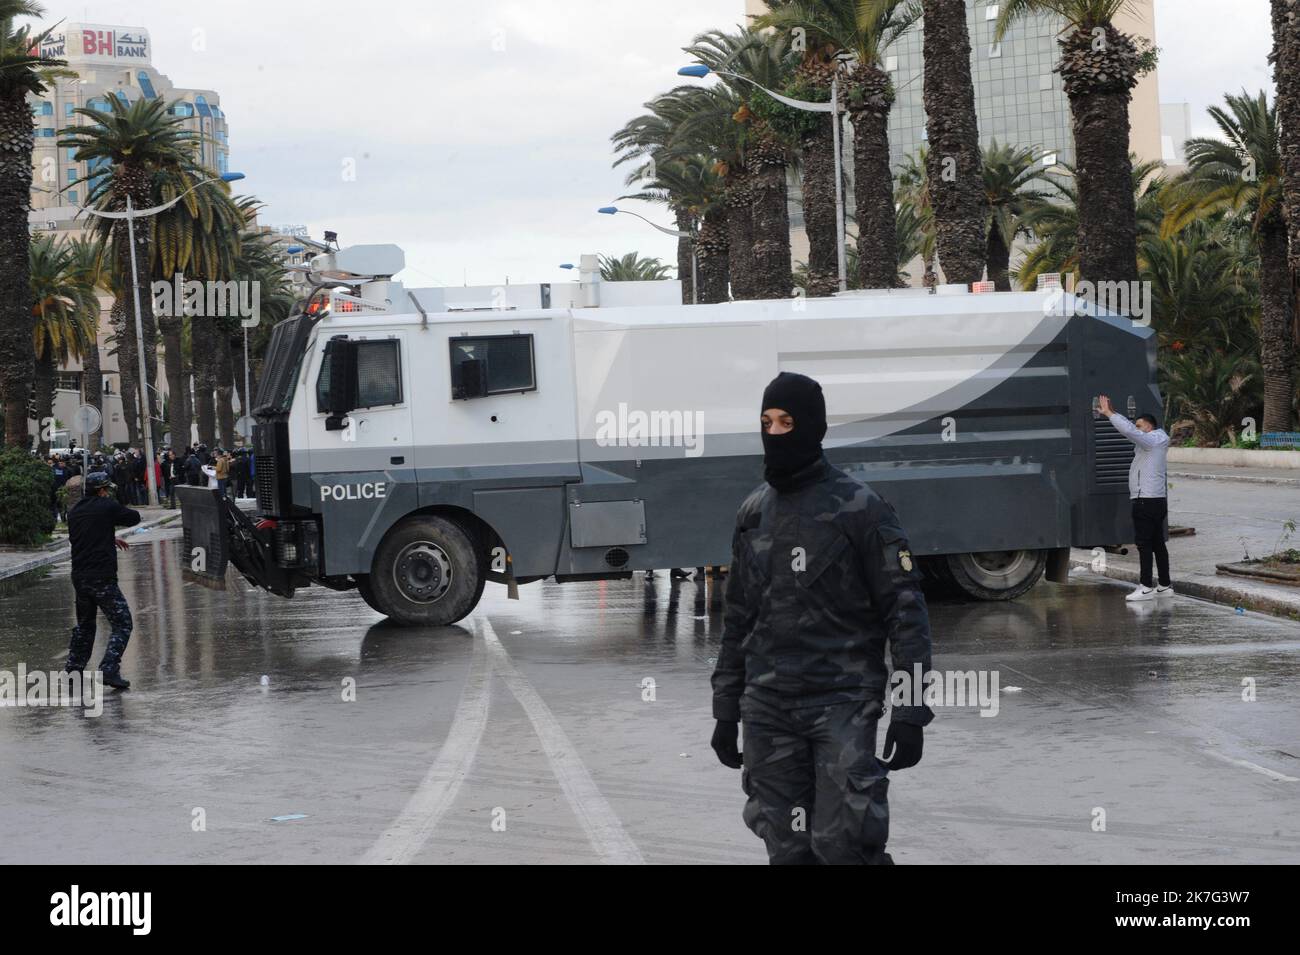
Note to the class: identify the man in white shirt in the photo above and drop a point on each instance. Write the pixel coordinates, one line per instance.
(1148, 489)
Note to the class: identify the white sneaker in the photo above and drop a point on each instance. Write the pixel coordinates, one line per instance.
(1164, 591)
(1142, 593)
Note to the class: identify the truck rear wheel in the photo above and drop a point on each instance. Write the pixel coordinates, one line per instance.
(426, 573)
(996, 574)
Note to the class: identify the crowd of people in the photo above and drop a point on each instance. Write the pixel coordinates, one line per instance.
(230, 472)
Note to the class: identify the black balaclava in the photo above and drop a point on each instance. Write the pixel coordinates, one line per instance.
(784, 455)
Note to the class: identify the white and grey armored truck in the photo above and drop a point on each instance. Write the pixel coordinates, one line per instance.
(414, 445)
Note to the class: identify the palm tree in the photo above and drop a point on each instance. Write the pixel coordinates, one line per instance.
(1008, 172)
(141, 142)
(66, 313)
(952, 132)
(816, 143)
(1054, 223)
(1201, 296)
(22, 71)
(1285, 58)
(261, 261)
(912, 196)
(198, 238)
(88, 257)
(1241, 175)
(862, 31)
(1099, 67)
(757, 199)
(688, 180)
(632, 268)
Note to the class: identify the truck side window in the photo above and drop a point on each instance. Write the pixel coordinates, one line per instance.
(492, 365)
(379, 375)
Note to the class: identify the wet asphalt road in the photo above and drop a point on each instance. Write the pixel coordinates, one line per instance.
(523, 735)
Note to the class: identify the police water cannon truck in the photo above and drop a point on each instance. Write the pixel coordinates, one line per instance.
(414, 444)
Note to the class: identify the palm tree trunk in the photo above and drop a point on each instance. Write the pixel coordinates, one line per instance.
(225, 368)
(998, 260)
(1276, 342)
(713, 256)
(201, 347)
(92, 383)
(128, 367)
(685, 223)
(17, 361)
(953, 166)
(1098, 80)
(177, 422)
(817, 182)
(1286, 73)
(873, 182)
(769, 208)
(43, 383)
(737, 195)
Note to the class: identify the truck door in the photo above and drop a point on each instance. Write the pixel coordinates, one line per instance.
(361, 466)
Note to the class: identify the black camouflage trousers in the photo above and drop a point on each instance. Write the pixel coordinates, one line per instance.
(93, 596)
(817, 793)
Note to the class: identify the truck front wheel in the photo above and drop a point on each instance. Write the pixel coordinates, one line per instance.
(996, 574)
(426, 573)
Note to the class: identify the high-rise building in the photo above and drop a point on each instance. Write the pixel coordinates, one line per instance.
(108, 61)
(1019, 99)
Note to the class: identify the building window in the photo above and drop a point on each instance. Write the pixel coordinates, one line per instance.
(1049, 160)
(995, 50)
(47, 133)
(991, 12)
(68, 381)
(72, 174)
(183, 109)
(69, 109)
(72, 197)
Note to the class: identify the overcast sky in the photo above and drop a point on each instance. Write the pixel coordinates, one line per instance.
(479, 130)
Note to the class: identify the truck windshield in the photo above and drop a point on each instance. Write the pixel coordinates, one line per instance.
(280, 370)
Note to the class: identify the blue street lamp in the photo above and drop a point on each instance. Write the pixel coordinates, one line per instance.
(688, 236)
(699, 71)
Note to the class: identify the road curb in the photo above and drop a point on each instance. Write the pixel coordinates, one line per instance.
(62, 551)
(1243, 478)
(1220, 593)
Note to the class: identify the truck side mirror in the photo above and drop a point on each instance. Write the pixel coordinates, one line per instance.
(473, 379)
(341, 355)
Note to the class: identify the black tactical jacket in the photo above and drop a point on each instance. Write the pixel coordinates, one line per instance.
(821, 576)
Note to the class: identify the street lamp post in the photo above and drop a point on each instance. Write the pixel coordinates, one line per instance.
(699, 70)
(688, 236)
(130, 215)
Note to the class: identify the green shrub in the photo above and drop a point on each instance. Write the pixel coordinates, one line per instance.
(26, 518)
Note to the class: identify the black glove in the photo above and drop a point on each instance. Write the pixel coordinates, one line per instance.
(904, 740)
(725, 735)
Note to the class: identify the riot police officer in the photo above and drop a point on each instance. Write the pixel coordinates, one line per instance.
(821, 577)
(94, 577)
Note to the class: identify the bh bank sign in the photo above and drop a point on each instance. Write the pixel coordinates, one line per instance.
(103, 44)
